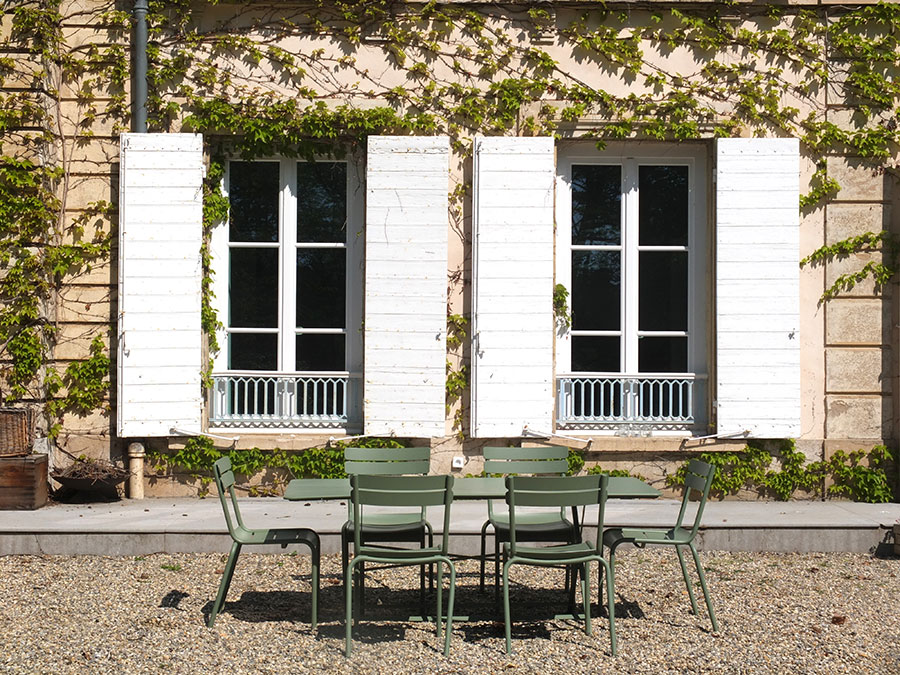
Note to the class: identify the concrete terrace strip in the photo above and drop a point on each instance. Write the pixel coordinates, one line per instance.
(137, 527)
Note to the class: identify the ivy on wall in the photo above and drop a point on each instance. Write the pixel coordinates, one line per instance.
(236, 74)
(41, 244)
(862, 476)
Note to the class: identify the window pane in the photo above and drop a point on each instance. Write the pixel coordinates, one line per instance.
(253, 196)
(596, 294)
(320, 352)
(253, 288)
(321, 201)
(662, 355)
(596, 204)
(253, 351)
(663, 290)
(663, 194)
(321, 288)
(595, 354)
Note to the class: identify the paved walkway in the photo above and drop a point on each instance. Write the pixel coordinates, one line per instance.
(183, 525)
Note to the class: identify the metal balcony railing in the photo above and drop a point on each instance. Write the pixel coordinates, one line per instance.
(298, 400)
(608, 401)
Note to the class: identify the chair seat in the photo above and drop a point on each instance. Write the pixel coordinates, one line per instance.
(384, 528)
(281, 536)
(551, 553)
(428, 554)
(534, 527)
(616, 536)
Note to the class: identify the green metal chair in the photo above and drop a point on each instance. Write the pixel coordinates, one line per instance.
(567, 491)
(400, 491)
(698, 479)
(408, 526)
(544, 526)
(242, 535)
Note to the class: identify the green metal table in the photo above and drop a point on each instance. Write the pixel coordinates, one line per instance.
(314, 489)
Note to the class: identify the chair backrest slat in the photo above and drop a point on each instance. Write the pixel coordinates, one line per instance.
(698, 479)
(526, 466)
(561, 491)
(540, 452)
(387, 461)
(540, 460)
(400, 491)
(224, 477)
(386, 468)
(373, 490)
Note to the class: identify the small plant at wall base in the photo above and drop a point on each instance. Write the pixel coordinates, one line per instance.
(750, 469)
(199, 453)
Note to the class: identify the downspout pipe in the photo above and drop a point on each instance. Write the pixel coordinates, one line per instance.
(139, 68)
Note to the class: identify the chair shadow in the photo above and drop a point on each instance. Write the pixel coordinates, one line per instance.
(261, 606)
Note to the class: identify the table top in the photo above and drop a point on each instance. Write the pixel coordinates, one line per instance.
(301, 489)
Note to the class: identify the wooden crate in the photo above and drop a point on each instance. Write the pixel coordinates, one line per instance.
(23, 482)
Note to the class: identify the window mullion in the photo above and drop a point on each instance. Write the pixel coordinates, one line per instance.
(630, 274)
(288, 277)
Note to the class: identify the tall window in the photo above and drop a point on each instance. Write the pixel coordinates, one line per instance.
(288, 284)
(632, 253)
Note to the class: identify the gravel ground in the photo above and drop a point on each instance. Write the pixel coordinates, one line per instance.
(796, 613)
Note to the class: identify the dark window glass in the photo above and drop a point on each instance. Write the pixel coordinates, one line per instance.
(662, 354)
(321, 284)
(317, 397)
(595, 354)
(662, 399)
(253, 197)
(601, 399)
(596, 204)
(320, 352)
(321, 201)
(596, 290)
(253, 351)
(253, 288)
(663, 290)
(663, 208)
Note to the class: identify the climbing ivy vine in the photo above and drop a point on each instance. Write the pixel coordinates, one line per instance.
(316, 79)
(43, 243)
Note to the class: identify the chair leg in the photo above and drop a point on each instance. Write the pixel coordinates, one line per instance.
(506, 618)
(440, 597)
(483, 553)
(348, 609)
(709, 607)
(315, 552)
(225, 583)
(431, 544)
(497, 568)
(586, 596)
(687, 579)
(450, 601)
(611, 606)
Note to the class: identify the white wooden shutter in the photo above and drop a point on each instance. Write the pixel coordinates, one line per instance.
(160, 233)
(758, 287)
(513, 330)
(407, 183)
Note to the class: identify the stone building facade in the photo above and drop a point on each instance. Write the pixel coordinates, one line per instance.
(671, 89)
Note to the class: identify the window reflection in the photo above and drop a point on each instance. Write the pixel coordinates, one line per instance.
(664, 203)
(321, 201)
(253, 197)
(596, 204)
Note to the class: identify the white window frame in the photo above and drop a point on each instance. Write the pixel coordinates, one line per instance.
(288, 245)
(630, 156)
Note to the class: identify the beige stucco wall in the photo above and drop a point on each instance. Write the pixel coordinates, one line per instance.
(848, 368)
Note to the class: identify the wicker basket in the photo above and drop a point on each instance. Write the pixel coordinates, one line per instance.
(15, 438)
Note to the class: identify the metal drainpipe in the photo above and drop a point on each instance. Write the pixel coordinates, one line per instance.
(139, 73)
